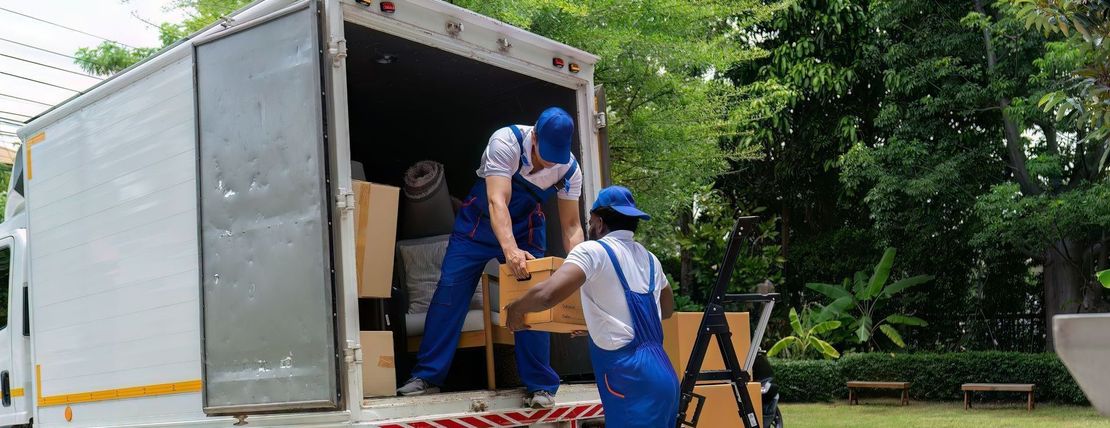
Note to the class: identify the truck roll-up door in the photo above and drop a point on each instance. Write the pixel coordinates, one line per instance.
(266, 255)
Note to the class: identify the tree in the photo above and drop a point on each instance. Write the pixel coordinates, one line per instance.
(109, 58)
(820, 53)
(669, 105)
(1055, 205)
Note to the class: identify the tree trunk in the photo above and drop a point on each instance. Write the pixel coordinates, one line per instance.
(785, 230)
(1015, 146)
(685, 254)
(1067, 288)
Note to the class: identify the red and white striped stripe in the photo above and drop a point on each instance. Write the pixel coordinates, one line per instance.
(508, 419)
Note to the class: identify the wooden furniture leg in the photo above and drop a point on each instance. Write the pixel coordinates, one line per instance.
(967, 401)
(487, 327)
(905, 397)
(1030, 406)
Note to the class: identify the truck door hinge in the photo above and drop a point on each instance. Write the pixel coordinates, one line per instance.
(600, 121)
(353, 353)
(345, 200)
(337, 48)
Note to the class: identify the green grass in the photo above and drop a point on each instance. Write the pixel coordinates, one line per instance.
(880, 413)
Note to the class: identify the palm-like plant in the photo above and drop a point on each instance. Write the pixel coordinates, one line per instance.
(805, 338)
(856, 301)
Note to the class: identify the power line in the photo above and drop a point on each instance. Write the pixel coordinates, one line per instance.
(38, 81)
(63, 26)
(15, 114)
(53, 52)
(26, 99)
(50, 66)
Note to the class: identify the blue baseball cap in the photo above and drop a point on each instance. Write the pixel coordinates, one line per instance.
(554, 132)
(620, 200)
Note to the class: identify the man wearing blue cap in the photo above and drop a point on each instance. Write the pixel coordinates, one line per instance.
(503, 218)
(625, 295)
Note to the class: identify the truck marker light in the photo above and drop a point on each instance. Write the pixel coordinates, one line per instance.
(69, 414)
(365, 2)
(574, 68)
(388, 7)
(557, 62)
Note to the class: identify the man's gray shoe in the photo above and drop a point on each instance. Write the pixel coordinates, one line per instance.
(539, 400)
(417, 386)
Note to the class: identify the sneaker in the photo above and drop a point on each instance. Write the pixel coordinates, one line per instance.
(539, 400)
(417, 386)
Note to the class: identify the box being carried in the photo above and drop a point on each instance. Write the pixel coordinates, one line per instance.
(565, 317)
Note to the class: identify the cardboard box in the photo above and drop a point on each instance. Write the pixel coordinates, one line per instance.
(375, 237)
(681, 329)
(720, 409)
(379, 378)
(565, 317)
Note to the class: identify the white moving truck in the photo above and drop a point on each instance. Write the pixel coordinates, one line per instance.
(179, 242)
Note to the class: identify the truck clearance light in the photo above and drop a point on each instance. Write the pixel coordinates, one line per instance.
(574, 68)
(365, 2)
(557, 62)
(388, 7)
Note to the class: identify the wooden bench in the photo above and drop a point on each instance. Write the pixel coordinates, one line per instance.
(1001, 387)
(853, 398)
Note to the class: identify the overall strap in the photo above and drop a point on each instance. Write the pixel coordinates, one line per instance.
(569, 174)
(616, 264)
(520, 143)
(651, 274)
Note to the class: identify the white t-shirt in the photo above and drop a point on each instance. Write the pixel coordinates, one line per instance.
(603, 301)
(502, 159)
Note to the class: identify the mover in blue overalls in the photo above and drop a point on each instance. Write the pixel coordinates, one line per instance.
(624, 297)
(503, 218)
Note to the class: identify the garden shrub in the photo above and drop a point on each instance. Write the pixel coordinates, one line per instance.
(935, 377)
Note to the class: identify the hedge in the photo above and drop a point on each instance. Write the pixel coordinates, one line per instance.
(935, 377)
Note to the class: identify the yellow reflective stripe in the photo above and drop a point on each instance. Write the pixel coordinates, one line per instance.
(37, 138)
(17, 392)
(113, 394)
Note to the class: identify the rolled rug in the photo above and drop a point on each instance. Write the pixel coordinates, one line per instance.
(426, 208)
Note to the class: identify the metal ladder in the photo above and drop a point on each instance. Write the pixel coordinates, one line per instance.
(714, 323)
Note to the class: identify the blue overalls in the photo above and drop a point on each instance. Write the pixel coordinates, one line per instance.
(637, 384)
(471, 246)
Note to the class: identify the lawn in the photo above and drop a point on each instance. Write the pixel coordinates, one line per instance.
(938, 415)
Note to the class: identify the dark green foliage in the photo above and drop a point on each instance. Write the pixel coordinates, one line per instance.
(807, 381)
(935, 377)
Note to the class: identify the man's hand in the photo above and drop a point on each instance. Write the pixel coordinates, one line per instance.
(517, 260)
(514, 318)
(579, 333)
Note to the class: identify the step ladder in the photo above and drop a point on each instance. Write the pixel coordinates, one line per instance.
(714, 324)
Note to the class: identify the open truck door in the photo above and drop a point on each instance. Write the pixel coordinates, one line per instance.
(15, 352)
(267, 276)
(601, 125)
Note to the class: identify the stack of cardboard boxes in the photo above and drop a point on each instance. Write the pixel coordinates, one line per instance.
(375, 239)
(679, 333)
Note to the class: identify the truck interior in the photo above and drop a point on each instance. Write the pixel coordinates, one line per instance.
(409, 102)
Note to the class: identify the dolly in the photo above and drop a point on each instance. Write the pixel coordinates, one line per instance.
(714, 323)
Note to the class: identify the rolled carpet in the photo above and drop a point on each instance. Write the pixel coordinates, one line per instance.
(426, 209)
